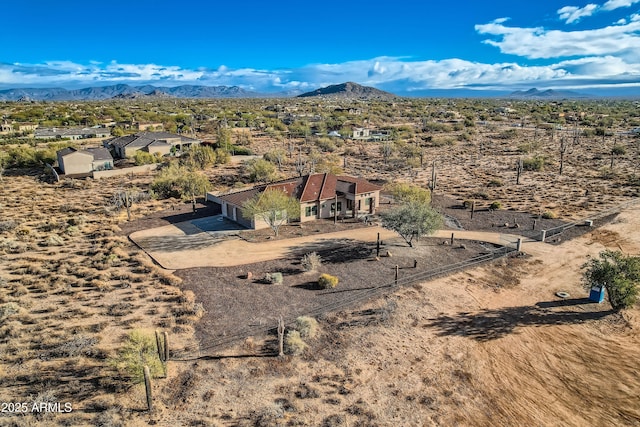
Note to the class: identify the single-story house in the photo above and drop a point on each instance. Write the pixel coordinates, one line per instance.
(320, 195)
(152, 142)
(74, 161)
(72, 133)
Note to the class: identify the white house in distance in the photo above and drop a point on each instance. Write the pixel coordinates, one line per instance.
(74, 161)
(319, 196)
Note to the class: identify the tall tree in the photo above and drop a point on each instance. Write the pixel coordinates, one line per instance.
(274, 207)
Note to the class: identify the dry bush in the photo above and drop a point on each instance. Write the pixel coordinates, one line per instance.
(53, 240)
(311, 262)
(293, 343)
(11, 329)
(19, 290)
(12, 246)
(166, 278)
(307, 326)
(327, 281)
(8, 225)
(138, 350)
(188, 297)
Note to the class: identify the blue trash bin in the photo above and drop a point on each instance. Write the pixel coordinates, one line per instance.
(597, 294)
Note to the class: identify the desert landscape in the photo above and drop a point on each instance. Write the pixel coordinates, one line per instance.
(466, 336)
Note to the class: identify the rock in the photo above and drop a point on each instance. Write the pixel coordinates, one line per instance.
(389, 254)
(249, 275)
(462, 247)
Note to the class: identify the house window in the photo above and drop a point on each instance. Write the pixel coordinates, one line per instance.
(349, 204)
(367, 201)
(311, 211)
(333, 207)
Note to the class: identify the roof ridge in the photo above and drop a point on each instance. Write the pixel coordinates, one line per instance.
(324, 181)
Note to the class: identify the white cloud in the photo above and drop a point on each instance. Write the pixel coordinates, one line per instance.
(571, 14)
(390, 73)
(536, 43)
(617, 4)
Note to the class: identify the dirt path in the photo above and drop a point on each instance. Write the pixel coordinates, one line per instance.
(183, 246)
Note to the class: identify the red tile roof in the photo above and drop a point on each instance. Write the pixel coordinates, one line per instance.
(309, 188)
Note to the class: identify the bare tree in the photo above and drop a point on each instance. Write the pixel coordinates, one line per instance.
(566, 147)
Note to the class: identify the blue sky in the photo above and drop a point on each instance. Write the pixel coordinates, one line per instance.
(404, 46)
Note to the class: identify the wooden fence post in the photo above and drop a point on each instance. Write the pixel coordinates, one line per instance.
(396, 280)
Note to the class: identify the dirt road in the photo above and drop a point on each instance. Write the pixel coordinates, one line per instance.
(182, 246)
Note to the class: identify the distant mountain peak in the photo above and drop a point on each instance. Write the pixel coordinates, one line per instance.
(534, 93)
(349, 90)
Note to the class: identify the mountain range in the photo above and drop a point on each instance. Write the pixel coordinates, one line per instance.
(547, 94)
(123, 91)
(348, 90)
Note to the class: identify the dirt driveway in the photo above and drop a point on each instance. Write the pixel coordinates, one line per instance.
(183, 245)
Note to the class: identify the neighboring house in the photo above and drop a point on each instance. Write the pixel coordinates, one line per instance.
(74, 161)
(25, 127)
(153, 142)
(71, 133)
(6, 127)
(361, 133)
(319, 196)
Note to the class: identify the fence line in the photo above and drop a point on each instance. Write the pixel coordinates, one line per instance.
(354, 297)
(544, 234)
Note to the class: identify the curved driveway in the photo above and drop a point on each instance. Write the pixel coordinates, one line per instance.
(175, 249)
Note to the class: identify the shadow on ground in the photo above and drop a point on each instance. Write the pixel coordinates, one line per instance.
(487, 325)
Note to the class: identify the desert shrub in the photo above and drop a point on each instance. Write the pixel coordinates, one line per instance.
(549, 215)
(533, 163)
(23, 231)
(53, 240)
(311, 261)
(7, 225)
(167, 278)
(8, 309)
(143, 158)
(507, 134)
(495, 183)
(293, 343)
(72, 230)
(326, 145)
(307, 326)
(138, 350)
(238, 150)
(495, 206)
(480, 195)
(273, 278)
(327, 281)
